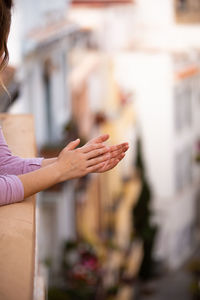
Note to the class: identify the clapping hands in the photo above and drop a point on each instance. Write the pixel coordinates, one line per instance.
(93, 157)
(116, 153)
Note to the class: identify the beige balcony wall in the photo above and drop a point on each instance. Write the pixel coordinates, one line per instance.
(17, 221)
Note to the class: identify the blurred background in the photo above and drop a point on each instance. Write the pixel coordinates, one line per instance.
(130, 68)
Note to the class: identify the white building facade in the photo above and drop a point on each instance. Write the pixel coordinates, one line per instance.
(158, 60)
(168, 111)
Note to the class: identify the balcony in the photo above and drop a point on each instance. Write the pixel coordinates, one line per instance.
(18, 258)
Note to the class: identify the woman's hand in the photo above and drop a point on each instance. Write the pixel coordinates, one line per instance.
(117, 153)
(73, 163)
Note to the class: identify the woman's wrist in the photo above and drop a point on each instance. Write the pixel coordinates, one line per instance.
(58, 172)
(48, 161)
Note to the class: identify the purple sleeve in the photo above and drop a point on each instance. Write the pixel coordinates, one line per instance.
(11, 189)
(14, 165)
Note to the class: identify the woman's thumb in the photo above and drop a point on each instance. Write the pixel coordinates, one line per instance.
(72, 145)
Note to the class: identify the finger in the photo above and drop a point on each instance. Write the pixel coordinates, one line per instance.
(97, 160)
(121, 156)
(99, 139)
(87, 148)
(109, 163)
(117, 153)
(95, 167)
(72, 145)
(112, 165)
(120, 146)
(97, 152)
(108, 166)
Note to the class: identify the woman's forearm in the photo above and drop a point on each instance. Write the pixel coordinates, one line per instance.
(39, 180)
(71, 163)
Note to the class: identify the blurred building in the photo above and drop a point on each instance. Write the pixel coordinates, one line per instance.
(157, 59)
(168, 118)
(168, 65)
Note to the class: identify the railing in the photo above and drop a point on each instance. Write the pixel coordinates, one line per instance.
(17, 221)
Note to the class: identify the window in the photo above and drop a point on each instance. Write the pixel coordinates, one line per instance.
(197, 91)
(48, 100)
(181, 5)
(187, 11)
(183, 105)
(183, 168)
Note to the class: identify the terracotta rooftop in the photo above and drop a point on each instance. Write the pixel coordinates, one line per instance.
(187, 72)
(100, 3)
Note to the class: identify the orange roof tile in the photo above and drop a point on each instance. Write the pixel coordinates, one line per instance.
(187, 72)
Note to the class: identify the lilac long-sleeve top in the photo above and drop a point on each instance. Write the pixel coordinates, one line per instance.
(11, 187)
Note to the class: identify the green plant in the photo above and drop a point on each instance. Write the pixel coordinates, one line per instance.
(142, 218)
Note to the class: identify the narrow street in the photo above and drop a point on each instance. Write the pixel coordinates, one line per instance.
(172, 286)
